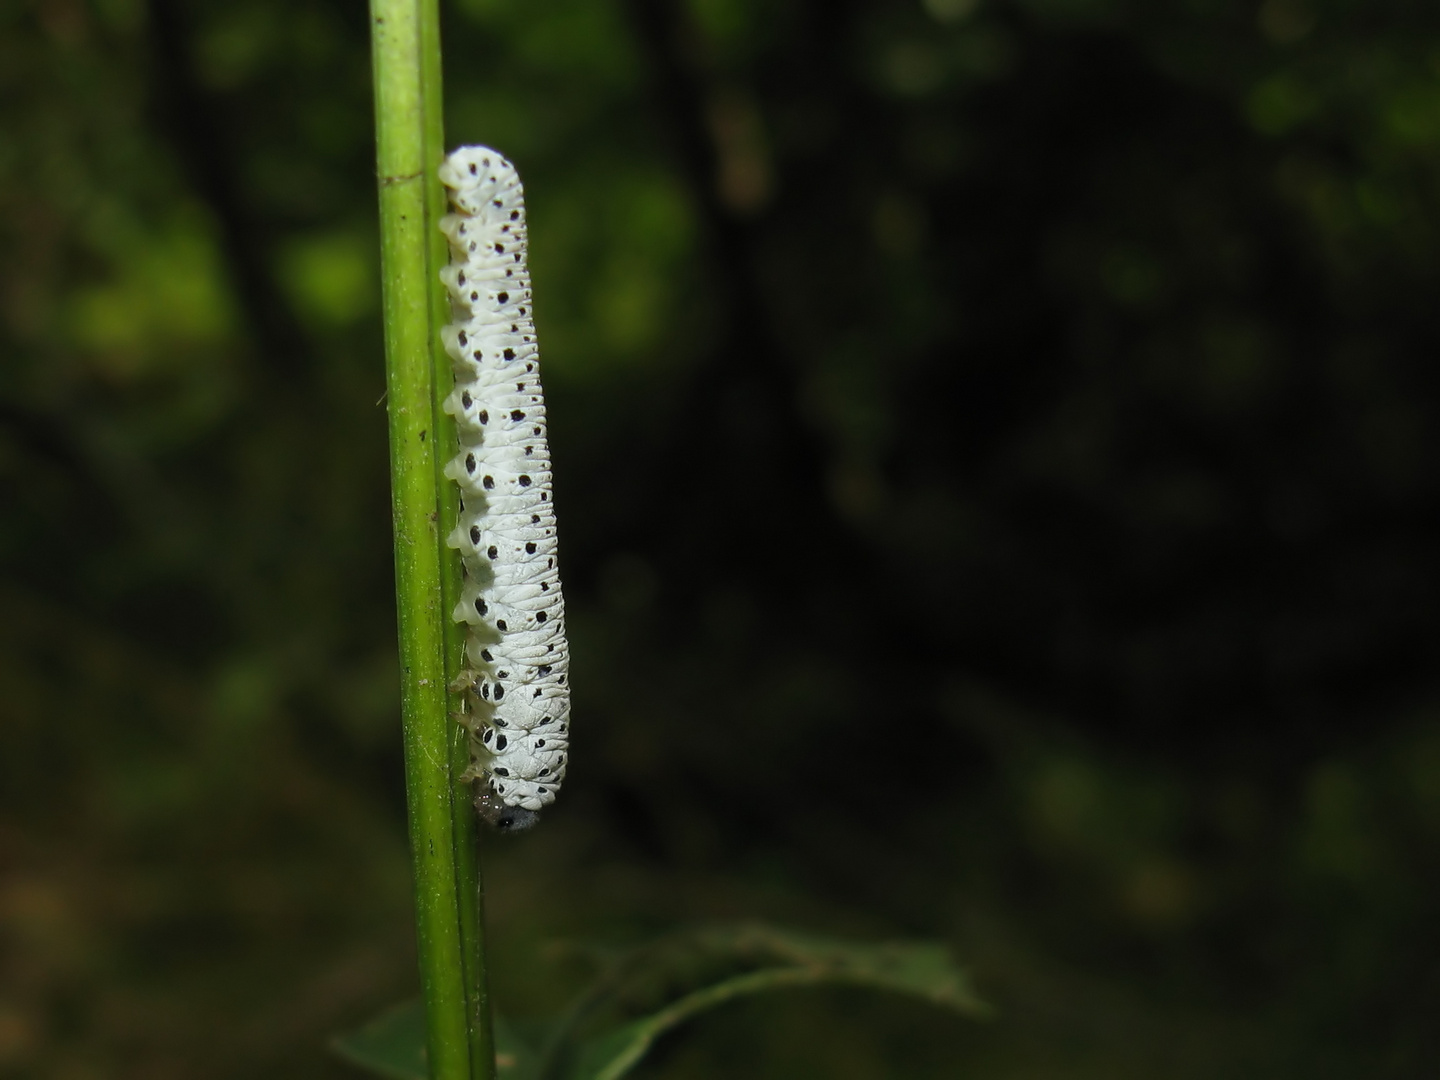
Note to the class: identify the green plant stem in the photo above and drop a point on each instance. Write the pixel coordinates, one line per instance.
(468, 881)
(409, 146)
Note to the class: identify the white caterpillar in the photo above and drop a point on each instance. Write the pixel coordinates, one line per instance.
(516, 679)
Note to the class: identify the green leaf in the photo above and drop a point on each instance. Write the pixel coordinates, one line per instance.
(920, 970)
(393, 1044)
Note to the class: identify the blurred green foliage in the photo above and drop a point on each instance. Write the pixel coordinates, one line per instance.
(995, 445)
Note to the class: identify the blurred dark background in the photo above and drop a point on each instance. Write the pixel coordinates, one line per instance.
(996, 454)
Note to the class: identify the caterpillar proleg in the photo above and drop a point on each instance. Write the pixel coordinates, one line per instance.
(516, 688)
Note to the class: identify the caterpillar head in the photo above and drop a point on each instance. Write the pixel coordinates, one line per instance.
(502, 818)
